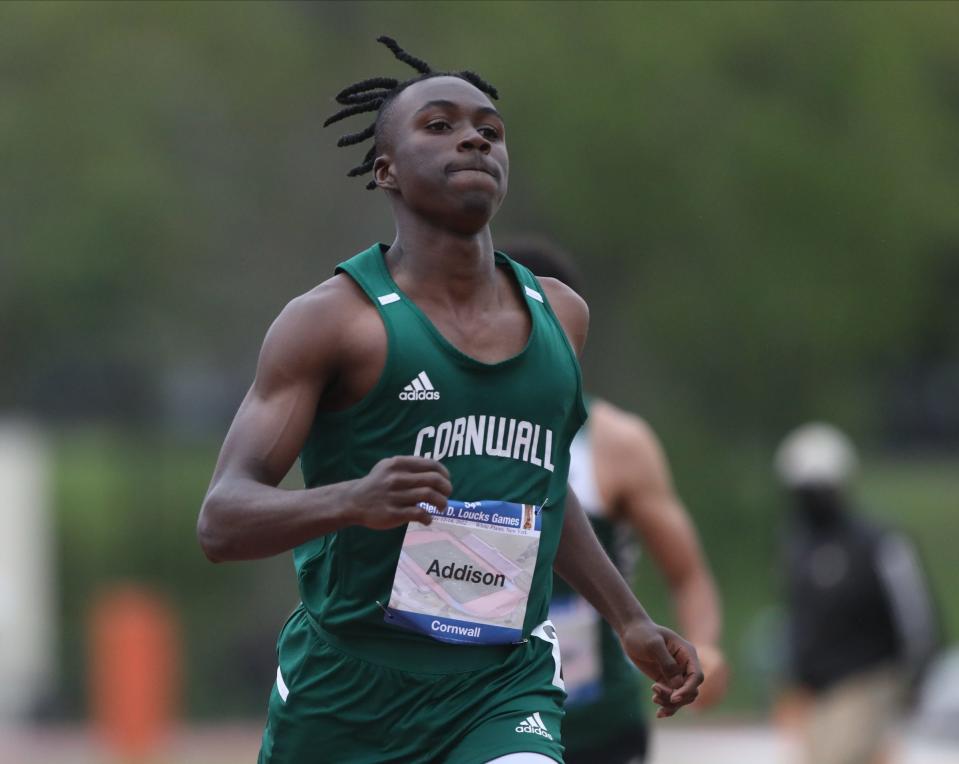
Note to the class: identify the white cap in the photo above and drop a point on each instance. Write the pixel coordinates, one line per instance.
(815, 454)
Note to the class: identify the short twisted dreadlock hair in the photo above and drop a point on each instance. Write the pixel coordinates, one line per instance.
(377, 93)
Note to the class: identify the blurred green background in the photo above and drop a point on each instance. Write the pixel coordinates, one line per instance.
(763, 197)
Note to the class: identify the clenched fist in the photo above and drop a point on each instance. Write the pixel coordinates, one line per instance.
(388, 496)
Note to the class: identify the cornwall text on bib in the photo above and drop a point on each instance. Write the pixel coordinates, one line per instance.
(466, 577)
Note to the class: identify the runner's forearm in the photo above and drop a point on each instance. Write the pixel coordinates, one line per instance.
(582, 562)
(242, 519)
(697, 608)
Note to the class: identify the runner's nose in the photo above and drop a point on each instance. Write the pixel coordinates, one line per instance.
(473, 141)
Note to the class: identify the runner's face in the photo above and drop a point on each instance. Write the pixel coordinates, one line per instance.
(446, 157)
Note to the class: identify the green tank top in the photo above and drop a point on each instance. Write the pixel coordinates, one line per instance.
(503, 430)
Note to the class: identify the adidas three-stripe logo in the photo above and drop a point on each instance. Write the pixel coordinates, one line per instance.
(420, 389)
(534, 725)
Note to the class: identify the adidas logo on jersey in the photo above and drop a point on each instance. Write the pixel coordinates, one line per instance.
(420, 389)
(534, 725)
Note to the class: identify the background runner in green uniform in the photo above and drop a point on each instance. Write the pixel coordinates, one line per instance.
(425, 371)
(621, 478)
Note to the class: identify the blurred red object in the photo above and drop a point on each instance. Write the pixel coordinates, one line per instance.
(134, 671)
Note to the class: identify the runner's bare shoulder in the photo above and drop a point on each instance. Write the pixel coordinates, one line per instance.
(628, 447)
(324, 334)
(571, 310)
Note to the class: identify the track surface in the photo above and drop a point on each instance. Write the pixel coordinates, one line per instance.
(237, 744)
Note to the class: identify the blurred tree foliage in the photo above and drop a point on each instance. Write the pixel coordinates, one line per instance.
(764, 198)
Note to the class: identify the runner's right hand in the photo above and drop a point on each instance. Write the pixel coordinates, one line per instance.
(388, 496)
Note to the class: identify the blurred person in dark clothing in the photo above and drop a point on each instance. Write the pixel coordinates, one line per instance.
(860, 619)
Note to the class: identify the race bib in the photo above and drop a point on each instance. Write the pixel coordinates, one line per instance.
(466, 577)
(578, 626)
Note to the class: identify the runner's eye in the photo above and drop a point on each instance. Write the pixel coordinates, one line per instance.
(489, 133)
(437, 125)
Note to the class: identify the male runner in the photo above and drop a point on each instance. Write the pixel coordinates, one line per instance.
(431, 388)
(621, 478)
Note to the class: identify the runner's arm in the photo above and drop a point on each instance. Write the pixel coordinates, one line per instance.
(582, 562)
(660, 520)
(245, 515)
(659, 652)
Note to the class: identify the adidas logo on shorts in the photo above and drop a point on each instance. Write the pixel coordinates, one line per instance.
(420, 389)
(534, 724)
